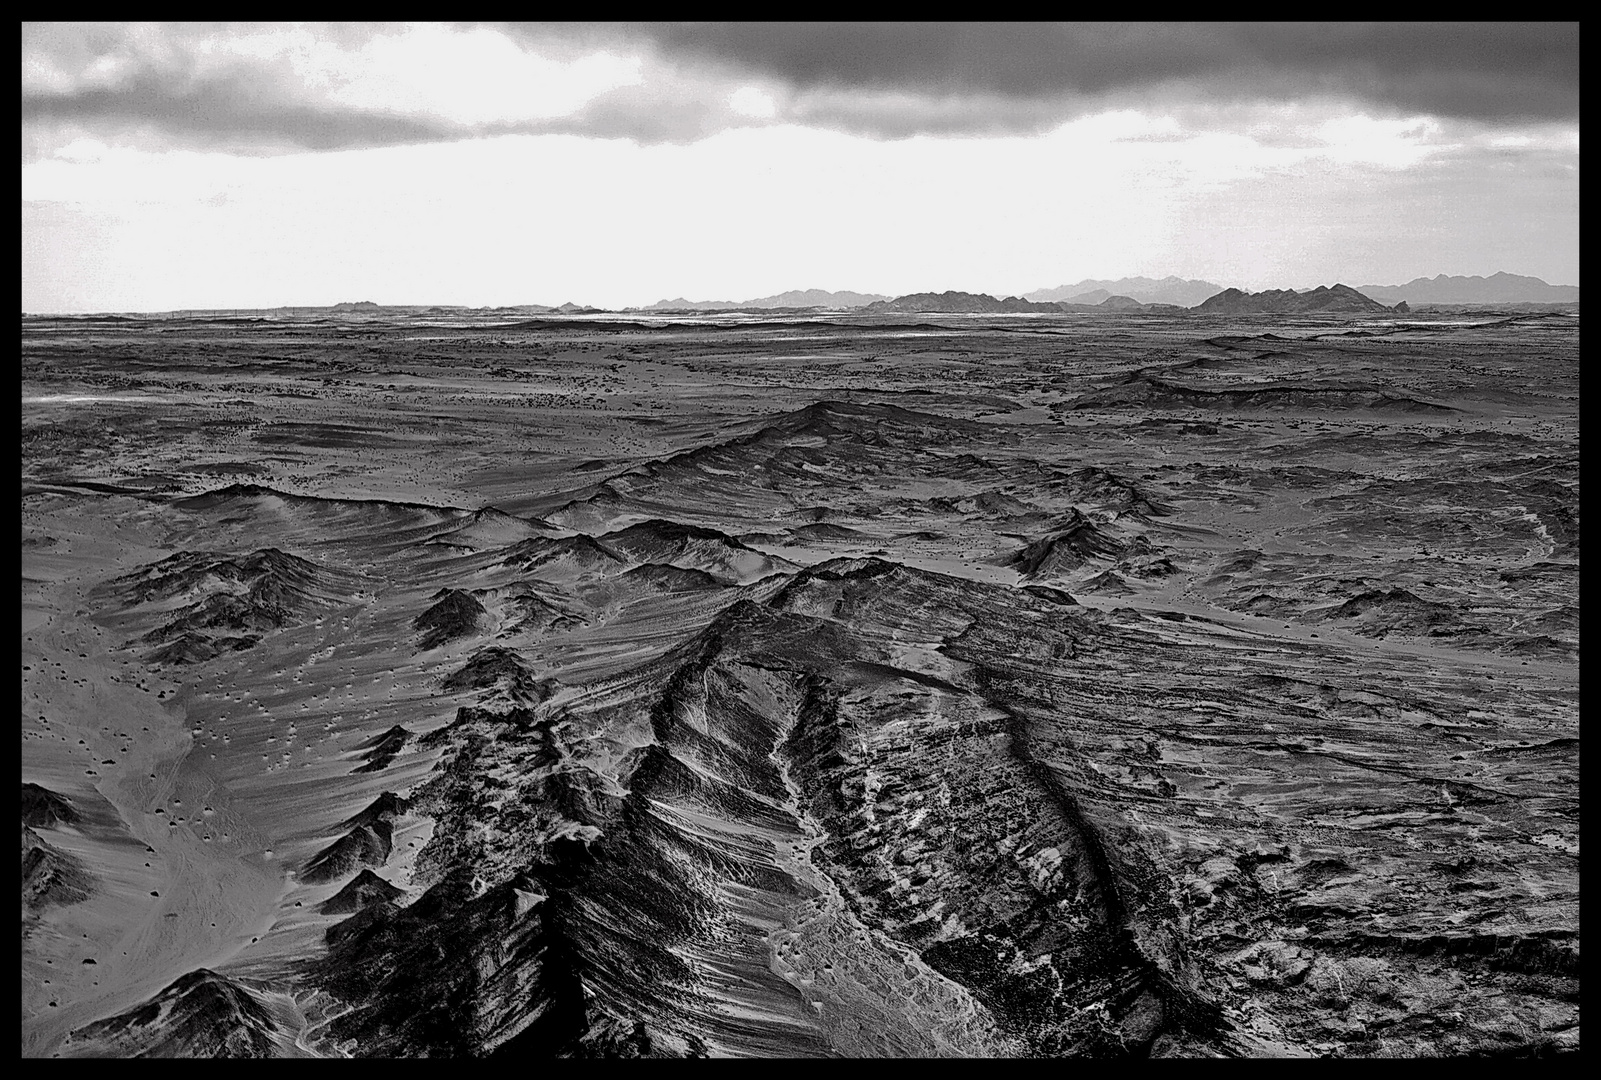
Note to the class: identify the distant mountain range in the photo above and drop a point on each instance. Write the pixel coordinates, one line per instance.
(795, 298)
(1501, 288)
(368, 307)
(1169, 290)
(1090, 296)
(1324, 298)
(964, 303)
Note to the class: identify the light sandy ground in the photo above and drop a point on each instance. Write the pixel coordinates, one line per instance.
(166, 899)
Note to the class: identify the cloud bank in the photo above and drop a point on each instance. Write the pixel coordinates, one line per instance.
(280, 88)
(1466, 70)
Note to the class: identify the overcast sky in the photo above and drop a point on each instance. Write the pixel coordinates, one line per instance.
(240, 165)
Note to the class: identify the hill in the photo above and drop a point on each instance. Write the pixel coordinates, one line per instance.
(1336, 298)
(952, 302)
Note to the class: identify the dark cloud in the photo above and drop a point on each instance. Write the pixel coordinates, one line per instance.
(883, 80)
(148, 83)
(112, 80)
(642, 118)
(890, 115)
(226, 110)
(1484, 71)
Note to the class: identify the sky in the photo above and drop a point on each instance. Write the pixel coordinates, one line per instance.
(234, 165)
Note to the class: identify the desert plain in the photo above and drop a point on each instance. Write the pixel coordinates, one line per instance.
(440, 683)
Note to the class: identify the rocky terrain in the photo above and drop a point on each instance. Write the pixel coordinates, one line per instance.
(437, 684)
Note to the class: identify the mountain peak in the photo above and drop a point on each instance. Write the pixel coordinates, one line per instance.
(1324, 298)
